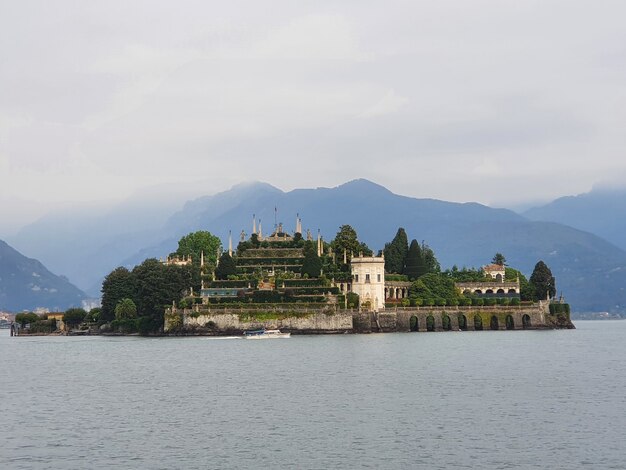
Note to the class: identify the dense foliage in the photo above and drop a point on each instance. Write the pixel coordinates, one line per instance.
(25, 318)
(396, 252)
(197, 243)
(125, 309)
(420, 260)
(117, 285)
(226, 267)
(74, 317)
(465, 274)
(312, 265)
(542, 282)
(151, 286)
(346, 239)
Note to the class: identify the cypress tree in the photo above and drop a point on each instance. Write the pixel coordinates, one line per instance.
(414, 262)
(543, 282)
(396, 252)
(312, 264)
(226, 266)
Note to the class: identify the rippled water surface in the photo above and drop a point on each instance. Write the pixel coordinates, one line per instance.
(507, 399)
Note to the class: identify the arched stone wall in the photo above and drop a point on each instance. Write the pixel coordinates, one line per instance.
(403, 316)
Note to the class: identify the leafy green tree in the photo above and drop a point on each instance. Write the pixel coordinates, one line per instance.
(94, 315)
(125, 309)
(526, 289)
(542, 281)
(254, 239)
(312, 263)
(431, 264)
(157, 286)
(352, 300)
(439, 286)
(117, 285)
(346, 239)
(396, 252)
(28, 317)
(226, 266)
(196, 243)
(418, 290)
(499, 259)
(74, 317)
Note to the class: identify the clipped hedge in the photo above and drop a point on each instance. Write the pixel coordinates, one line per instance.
(557, 308)
(241, 283)
(302, 282)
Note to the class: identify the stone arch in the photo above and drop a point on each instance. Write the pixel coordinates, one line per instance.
(430, 323)
(499, 278)
(494, 324)
(510, 323)
(446, 322)
(512, 291)
(500, 291)
(478, 291)
(526, 321)
(414, 324)
(478, 322)
(489, 291)
(467, 292)
(462, 322)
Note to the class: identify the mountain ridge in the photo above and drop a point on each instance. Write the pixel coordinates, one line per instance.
(588, 211)
(465, 234)
(26, 284)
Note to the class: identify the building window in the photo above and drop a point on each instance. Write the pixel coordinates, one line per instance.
(378, 277)
(356, 278)
(367, 278)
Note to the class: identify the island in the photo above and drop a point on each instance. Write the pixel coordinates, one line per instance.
(303, 284)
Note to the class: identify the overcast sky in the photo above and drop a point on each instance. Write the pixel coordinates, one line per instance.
(499, 102)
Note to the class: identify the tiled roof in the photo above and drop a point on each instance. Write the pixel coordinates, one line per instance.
(493, 267)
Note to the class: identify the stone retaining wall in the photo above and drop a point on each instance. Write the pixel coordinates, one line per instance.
(396, 320)
(234, 323)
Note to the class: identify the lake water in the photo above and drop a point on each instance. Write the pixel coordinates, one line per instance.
(507, 399)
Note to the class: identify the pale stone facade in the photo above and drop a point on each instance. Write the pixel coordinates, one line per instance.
(496, 271)
(368, 281)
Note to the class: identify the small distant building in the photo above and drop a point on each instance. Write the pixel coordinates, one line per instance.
(178, 260)
(499, 286)
(368, 281)
(58, 316)
(495, 271)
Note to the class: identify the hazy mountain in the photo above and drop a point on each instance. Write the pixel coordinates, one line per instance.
(590, 271)
(85, 243)
(599, 211)
(26, 284)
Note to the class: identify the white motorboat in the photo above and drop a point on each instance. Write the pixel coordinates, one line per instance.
(265, 334)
